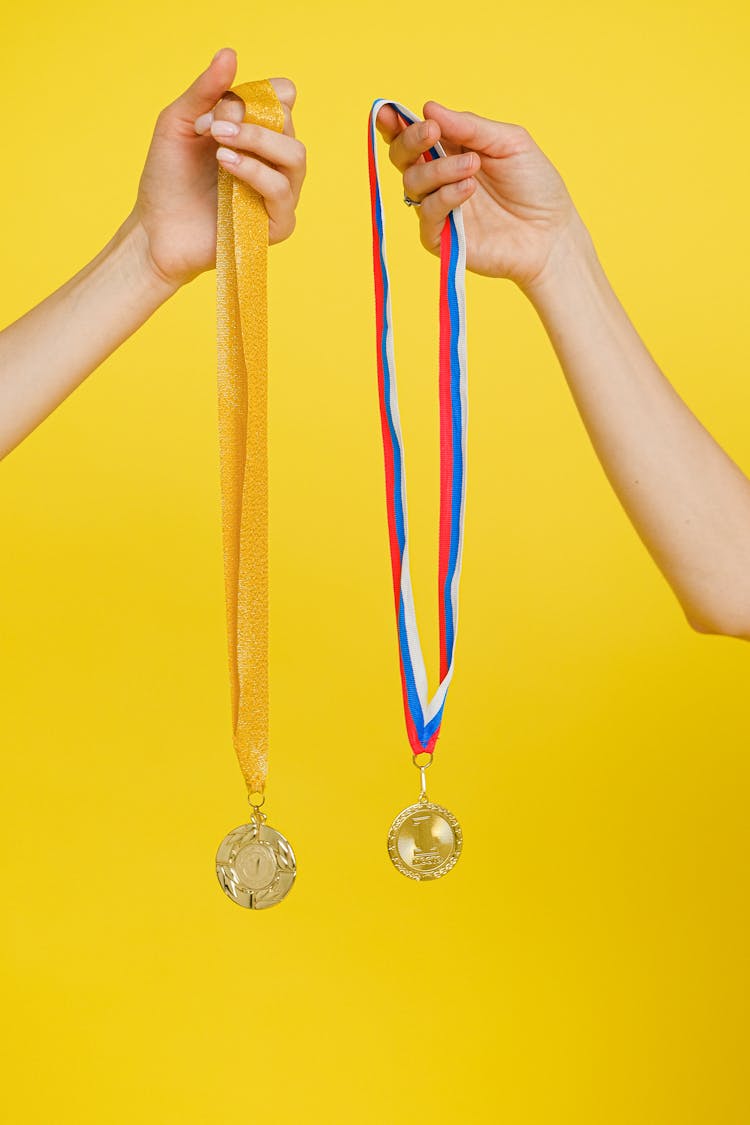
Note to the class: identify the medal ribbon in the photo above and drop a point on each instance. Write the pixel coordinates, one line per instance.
(423, 715)
(242, 350)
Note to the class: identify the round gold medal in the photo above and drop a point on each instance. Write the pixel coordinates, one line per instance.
(425, 841)
(255, 865)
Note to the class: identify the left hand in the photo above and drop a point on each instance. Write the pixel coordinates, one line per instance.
(176, 203)
(516, 208)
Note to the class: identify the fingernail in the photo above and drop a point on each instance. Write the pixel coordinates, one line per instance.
(466, 184)
(227, 155)
(203, 123)
(224, 129)
(468, 160)
(217, 54)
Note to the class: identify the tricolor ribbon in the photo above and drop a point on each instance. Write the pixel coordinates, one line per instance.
(423, 715)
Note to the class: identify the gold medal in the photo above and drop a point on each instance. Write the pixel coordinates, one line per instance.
(425, 840)
(255, 864)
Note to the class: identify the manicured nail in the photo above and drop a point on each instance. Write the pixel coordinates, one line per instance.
(227, 156)
(224, 129)
(203, 123)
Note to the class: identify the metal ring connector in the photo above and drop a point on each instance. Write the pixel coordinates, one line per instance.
(412, 202)
(422, 766)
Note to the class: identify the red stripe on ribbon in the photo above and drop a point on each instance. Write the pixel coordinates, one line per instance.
(446, 441)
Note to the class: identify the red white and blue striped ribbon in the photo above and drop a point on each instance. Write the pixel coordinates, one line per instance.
(423, 715)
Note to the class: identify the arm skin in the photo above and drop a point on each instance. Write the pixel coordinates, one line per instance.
(686, 498)
(166, 241)
(51, 349)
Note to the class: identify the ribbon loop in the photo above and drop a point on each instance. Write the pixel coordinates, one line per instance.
(423, 715)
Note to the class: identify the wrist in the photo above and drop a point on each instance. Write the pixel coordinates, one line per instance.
(131, 243)
(571, 261)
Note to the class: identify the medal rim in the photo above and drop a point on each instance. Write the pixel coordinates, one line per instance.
(228, 885)
(449, 863)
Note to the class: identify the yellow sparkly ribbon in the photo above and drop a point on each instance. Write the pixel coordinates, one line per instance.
(242, 346)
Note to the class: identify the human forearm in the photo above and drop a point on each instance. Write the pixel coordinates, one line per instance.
(52, 348)
(686, 498)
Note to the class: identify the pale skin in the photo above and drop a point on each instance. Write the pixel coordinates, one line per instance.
(687, 499)
(168, 238)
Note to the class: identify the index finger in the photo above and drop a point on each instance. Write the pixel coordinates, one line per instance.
(286, 92)
(409, 145)
(231, 107)
(388, 123)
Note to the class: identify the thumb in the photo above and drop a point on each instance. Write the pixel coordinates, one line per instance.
(208, 87)
(495, 138)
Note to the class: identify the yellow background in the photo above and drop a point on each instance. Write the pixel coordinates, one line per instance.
(587, 959)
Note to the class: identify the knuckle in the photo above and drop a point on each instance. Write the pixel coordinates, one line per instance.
(410, 177)
(282, 229)
(286, 91)
(279, 190)
(230, 108)
(393, 156)
(165, 118)
(518, 135)
(473, 120)
(412, 137)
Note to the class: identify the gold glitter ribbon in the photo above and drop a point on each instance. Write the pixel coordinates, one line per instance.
(242, 346)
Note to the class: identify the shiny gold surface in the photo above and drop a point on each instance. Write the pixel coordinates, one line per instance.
(242, 348)
(255, 865)
(425, 841)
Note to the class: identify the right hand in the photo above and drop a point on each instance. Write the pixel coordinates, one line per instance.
(515, 204)
(176, 204)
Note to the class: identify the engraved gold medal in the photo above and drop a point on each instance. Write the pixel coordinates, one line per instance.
(255, 864)
(425, 839)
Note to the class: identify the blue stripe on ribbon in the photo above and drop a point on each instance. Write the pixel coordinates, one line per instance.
(424, 731)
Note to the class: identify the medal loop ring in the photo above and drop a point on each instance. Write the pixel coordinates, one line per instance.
(422, 766)
(412, 202)
(252, 800)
